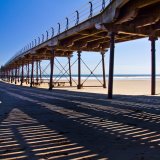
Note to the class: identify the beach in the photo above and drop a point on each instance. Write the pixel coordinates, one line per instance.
(76, 124)
(121, 87)
(80, 80)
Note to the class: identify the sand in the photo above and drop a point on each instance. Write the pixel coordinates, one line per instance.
(122, 87)
(37, 124)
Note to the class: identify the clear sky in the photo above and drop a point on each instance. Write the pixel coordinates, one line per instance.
(23, 20)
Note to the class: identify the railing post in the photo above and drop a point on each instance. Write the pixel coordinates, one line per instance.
(91, 10)
(103, 5)
(52, 31)
(35, 42)
(52, 67)
(59, 28)
(39, 40)
(79, 70)
(32, 44)
(77, 20)
(103, 68)
(42, 38)
(111, 65)
(47, 35)
(67, 23)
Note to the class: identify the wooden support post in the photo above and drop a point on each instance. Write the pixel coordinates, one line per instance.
(103, 68)
(22, 76)
(52, 68)
(111, 65)
(37, 76)
(16, 75)
(32, 72)
(70, 72)
(9, 75)
(28, 73)
(12, 76)
(79, 86)
(40, 72)
(6, 75)
(153, 64)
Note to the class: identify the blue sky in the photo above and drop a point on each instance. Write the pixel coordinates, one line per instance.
(24, 20)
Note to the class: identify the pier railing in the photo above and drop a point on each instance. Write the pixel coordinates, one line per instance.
(85, 12)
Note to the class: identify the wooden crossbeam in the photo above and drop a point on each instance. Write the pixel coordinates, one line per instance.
(132, 8)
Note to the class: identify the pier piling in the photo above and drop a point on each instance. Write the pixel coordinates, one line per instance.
(111, 65)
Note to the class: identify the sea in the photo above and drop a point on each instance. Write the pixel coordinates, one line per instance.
(100, 77)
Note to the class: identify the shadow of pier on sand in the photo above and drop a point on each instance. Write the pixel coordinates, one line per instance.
(73, 125)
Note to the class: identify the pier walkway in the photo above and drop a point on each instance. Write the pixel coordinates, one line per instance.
(38, 124)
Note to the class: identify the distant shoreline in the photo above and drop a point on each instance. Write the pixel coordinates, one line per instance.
(100, 77)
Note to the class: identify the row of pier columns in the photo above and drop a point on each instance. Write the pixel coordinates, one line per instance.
(11, 77)
(111, 64)
(79, 85)
(17, 73)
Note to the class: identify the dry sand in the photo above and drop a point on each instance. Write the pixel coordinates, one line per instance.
(122, 87)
